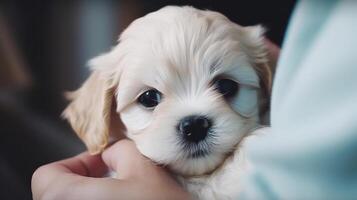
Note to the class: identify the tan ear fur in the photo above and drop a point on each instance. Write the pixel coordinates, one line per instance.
(255, 43)
(90, 110)
(265, 75)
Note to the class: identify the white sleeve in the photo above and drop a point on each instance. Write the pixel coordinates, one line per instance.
(311, 151)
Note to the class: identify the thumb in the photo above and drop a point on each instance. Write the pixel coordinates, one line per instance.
(124, 158)
(133, 167)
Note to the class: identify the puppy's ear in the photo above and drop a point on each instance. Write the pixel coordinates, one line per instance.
(90, 109)
(256, 46)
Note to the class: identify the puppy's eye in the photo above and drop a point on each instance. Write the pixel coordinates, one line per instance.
(227, 87)
(150, 98)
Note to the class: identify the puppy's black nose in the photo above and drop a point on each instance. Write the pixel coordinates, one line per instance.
(194, 128)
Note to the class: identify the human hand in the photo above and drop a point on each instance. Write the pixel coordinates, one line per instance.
(80, 177)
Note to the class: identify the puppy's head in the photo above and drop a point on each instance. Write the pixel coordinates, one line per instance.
(187, 84)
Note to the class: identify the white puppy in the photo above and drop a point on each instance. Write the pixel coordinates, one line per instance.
(188, 85)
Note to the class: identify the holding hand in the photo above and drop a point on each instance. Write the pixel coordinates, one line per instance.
(80, 177)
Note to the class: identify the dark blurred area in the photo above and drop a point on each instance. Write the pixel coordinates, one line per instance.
(44, 47)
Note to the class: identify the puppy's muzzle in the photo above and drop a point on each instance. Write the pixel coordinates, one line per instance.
(194, 128)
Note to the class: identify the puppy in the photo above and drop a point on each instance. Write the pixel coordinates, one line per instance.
(188, 85)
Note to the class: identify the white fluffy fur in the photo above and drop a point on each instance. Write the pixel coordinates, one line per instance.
(180, 51)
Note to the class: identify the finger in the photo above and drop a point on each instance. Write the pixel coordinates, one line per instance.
(81, 165)
(127, 161)
(84, 164)
(63, 185)
(55, 182)
(132, 166)
(108, 188)
(64, 180)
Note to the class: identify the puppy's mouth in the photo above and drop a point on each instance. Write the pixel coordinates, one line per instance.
(199, 153)
(199, 150)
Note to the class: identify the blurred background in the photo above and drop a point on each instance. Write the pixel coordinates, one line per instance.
(44, 47)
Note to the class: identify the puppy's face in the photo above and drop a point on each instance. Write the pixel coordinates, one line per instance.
(187, 84)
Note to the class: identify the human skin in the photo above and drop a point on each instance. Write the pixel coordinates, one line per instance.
(81, 177)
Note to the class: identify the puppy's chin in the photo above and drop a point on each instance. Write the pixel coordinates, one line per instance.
(198, 165)
(186, 165)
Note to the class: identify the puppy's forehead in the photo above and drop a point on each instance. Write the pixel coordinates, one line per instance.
(184, 39)
(176, 48)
